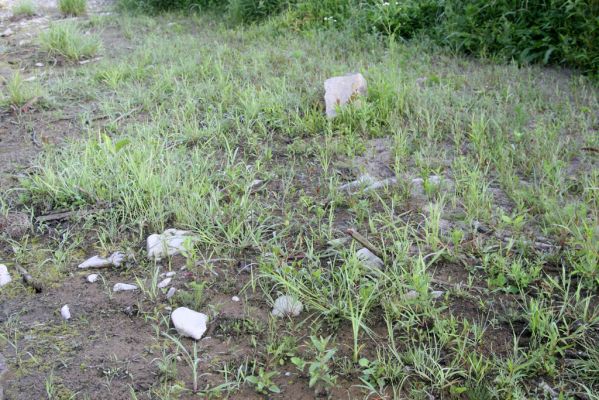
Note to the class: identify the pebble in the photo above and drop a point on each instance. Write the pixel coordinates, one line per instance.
(287, 306)
(92, 278)
(189, 323)
(169, 274)
(7, 32)
(39, 64)
(123, 287)
(65, 312)
(435, 294)
(369, 259)
(235, 299)
(5, 278)
(411, 295)
(171, 292)
(164, 283)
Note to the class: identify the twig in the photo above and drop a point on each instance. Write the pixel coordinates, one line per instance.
(365, 242)
(66, 214)
(28, 279)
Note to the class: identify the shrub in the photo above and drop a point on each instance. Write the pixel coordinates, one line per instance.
(72, 7)
(248, 11)
(24, 8)
(67, 40)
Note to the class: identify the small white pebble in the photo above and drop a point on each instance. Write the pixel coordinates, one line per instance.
(164, 283)
(92, 278)
(169, 274)
(235, 299)
(123, 287)
(435, 294)
(39, 65)
(411, 295)
(171, 292)
(65, 312)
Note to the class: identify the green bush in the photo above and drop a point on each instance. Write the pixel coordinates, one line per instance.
(564, 32)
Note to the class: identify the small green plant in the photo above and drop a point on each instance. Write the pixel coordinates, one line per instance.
(193, 297)
(24, 8)
(66, 40)
(72, 7)
(19, 91)
(263, 382)
(319, 369)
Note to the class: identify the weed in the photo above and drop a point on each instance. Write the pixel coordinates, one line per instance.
(25, 8)
(72, 7)
(263, 381)
(66, 39)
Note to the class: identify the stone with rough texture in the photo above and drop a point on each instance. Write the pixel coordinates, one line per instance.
(340, 90)
(235, 299)
(189, 323)
(369, 259)
(287, 306)
(5, 278)
(65, 312)
(169, 243)
(92, 278)
(115, 259)
(15, 224)
(124, 287)
(164, 283)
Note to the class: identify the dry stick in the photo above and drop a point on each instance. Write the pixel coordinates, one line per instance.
(365, 242)
(28, 279)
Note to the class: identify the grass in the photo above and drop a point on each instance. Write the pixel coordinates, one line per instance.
(23, 8)
(66, 39)
(197, 111)
(19, 92)
(72, 7)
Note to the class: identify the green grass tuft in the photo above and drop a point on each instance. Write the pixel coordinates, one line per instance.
(24, 8)
(72, 7)
(67, 40)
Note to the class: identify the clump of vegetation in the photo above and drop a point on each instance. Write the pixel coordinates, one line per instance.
(19, 92)
(23, 8)
(539, 31)
(66, 40)
(72, 7)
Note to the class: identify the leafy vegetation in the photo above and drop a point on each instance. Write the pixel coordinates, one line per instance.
(487, 286)
(72, 7)
(67, 40)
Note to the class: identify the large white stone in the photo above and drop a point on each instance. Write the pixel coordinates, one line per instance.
(340, 90)
(168, 243)
(5, 278)
(189, 323)
(287, 306)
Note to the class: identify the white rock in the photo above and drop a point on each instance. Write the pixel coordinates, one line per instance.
(39, 65)
(287, 305)
(91, 278)
(65, 312)
(164, 283)
(235, 299)
(169, 243)
(189, 323)
(5, 278)
(7, 32)
(171, 292)
(369, 259)
(169, 274)
(411, 295)
(362, 181)
(435, 294)
(255, 183)
(123, 287)
(340, 90)
(115, 259)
